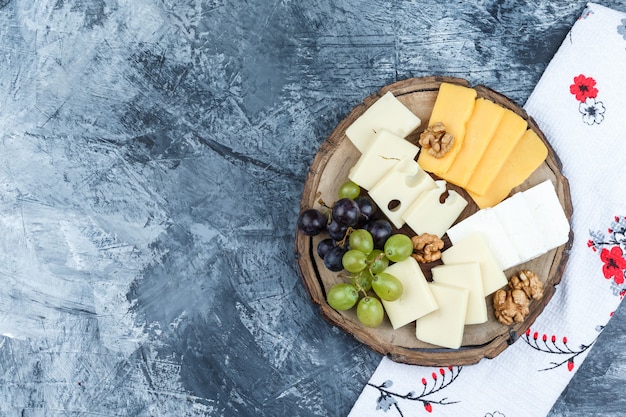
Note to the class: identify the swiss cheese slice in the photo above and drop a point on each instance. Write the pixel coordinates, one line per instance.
(465, 276)
(386, 113)
(528, 154)
(427, 214)
(453, 107)
(416, 300)
(399, 187)
(480, 129)
(506, 137)
(385, 150)
(444, 326)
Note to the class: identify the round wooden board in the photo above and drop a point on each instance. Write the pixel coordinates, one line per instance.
(330, 168)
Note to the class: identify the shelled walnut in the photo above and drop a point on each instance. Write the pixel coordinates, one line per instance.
(512, 305)
(427, 247)
(436, 140)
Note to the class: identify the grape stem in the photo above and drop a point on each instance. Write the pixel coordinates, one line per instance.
(342, 242)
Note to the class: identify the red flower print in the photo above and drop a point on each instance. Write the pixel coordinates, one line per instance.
(583, 88)
(614, 264)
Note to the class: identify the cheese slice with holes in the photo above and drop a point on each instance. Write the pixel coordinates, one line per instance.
(399, 187)
(474, 248)
(383, 153)
(386, 113)
(427, 214)
(465, 276)
(444, 326)
(453, 107)
(416, 299)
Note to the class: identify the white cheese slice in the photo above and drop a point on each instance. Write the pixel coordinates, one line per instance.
(428, 215)
(416, 299)
(385, 151)
(520, 226)
(386, 113)
(465, 276)
(399, 187)
(445, 326)
(474, 248)
(547, 211)
(485, 222)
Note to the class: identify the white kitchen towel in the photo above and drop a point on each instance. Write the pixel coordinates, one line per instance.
(580, 104)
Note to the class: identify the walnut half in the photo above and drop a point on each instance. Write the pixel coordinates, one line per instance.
(512, 305)
(436, 140)
(427, 247)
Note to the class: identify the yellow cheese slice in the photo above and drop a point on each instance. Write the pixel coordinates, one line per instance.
(453, 107)
(526, 157)
(508, 133)
(480, 129)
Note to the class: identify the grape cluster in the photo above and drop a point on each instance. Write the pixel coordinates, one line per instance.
(361, 242)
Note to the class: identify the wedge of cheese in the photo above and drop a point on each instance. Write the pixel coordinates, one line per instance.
(427, 214)
(474, 248)
(453, 107)
(386, 113)
(543, 202)
(506, 137)
(480, 129)
(444, 326)
(528, 154)
(386, 150)
(465, 276)
(399, 187)
(416, 301)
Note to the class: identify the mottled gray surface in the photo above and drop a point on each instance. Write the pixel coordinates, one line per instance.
(152, 156)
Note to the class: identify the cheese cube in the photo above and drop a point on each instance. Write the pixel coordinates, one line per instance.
(520, 226)
(445, 326)
(401, 185)
(465, 276)
(383, 153)
(479, 132)
(547, 211)
(386, 113)
(486, 222)
(453, 107)
(507, 135)
(528, 154)
(416, 299)
(474, 248)
(428, 215)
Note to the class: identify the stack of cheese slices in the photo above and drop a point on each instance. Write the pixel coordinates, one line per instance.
(493, 152)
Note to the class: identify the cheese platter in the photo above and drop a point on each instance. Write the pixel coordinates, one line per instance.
(339, 160)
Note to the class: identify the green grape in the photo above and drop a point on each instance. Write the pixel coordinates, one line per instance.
(377, 261)
(349, 190)
(342, 296)
(387, 287)
(398, 247)
(361, 240)
(354, 261)
(363, 280)
(370, 311)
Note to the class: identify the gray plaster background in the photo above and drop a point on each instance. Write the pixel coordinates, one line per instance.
(152, 155)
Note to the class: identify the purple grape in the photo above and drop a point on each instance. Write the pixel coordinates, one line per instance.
(367, 206)
(336, 230)
(325, 246)
(311, 222)
(346, 212)
(380, 231)
(333, 258)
